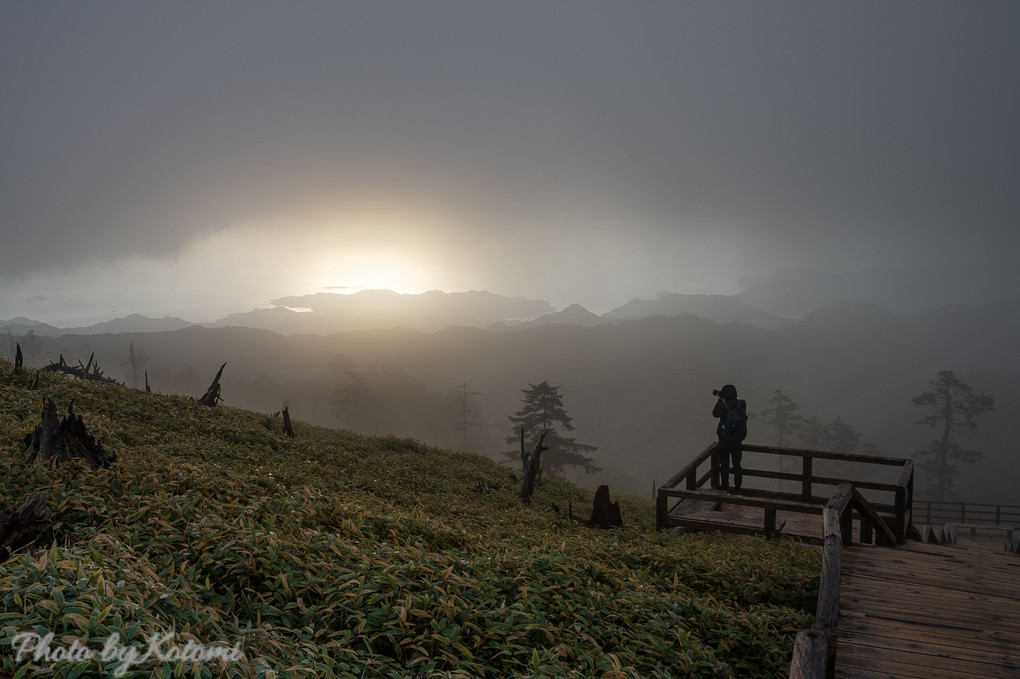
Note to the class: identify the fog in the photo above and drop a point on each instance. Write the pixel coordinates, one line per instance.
(706, 180)
(198, 159)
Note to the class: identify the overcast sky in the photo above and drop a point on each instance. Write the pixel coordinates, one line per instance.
(195, 158)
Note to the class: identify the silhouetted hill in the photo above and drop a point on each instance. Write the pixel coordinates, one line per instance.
(575, 314)
(640, 389)
(797, 293)
(846, 317)
(21, 325)
(719, 308)
(131, 323)
(430, 311)
(213, 523)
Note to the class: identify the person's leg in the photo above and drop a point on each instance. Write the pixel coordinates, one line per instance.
(737, 453)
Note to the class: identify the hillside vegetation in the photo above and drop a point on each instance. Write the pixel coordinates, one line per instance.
(335, 554)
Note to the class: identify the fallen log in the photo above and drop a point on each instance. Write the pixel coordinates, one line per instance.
(212, 394)
(90, 371)
(24, 526)
(64, 440)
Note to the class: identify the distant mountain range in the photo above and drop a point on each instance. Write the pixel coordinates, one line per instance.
(808, 299)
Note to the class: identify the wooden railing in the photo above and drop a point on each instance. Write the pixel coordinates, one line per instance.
(934, 512)
(702, 473)
(814, 651)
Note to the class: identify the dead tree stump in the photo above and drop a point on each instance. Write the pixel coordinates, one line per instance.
(287, 428)
(212, 394)
(24, 526)
(19, 359)
(64, 440)
(605, 514)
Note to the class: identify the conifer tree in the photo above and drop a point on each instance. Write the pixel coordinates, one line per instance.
(543, 410)
(952, 406)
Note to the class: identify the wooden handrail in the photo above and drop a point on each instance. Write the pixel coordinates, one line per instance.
(902, 489)
(814, 652)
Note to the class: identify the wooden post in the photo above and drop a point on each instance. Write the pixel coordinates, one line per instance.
(770, 522)
(805, 479)
(661, 502)
(810, 654)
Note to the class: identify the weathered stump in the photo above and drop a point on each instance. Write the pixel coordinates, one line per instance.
(604, 514)
(287, 428)
(64, 440)
(212, 394)
(24, 526)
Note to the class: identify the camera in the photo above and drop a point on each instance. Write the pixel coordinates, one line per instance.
(715, 392)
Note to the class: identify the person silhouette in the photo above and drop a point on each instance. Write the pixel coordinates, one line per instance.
(731, 430)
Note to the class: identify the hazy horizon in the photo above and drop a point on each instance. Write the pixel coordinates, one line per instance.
(196, 159)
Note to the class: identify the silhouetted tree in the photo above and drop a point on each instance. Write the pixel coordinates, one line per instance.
(356, 405)
(543, 411)
(952, 406)
(840, 437)
(137, 360)
(30, 345)
(782, 416)
(465, 420)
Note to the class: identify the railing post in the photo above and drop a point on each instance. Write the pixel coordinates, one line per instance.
(660, 510)
(901, 515)
(770, 522)
(805, 479)
(715, 468)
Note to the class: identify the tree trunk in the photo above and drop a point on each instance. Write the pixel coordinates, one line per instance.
(24, 526)
(534, 465)
(286, 422)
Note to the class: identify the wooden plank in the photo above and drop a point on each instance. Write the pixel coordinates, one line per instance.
(909, 665)
(929, 612)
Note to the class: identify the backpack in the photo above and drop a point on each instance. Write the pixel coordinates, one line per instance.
(734, 425)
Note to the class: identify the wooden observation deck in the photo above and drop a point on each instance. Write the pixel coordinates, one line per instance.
(895, 609)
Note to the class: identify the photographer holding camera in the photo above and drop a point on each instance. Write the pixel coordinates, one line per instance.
(732, 430)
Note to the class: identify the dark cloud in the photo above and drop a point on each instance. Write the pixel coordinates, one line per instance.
(799, 134)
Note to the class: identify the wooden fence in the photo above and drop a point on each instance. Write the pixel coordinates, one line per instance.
(702, 474)
(932, 512)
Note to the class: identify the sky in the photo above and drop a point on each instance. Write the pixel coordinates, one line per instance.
(197, 158)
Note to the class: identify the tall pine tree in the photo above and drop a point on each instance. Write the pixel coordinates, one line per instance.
(543, 410)
(952, 406)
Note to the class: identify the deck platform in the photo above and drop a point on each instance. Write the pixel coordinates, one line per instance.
(928, 612)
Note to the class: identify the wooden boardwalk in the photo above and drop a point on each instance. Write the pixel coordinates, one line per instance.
(928, 611)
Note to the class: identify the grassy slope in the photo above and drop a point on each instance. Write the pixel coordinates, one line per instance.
(338, 554)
